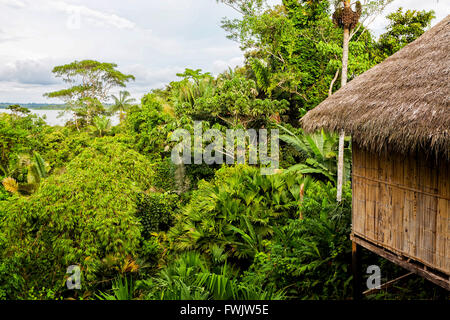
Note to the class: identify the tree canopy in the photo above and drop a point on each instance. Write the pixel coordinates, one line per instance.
(89, 82)
(109, 200)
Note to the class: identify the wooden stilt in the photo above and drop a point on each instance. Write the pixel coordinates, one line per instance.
(356, 268)
(436, 277)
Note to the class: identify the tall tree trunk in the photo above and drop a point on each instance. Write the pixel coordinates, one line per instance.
(76, 123)
(340, 173)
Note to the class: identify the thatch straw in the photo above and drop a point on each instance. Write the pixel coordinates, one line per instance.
(401, 104)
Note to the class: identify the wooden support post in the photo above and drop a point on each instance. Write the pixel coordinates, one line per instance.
(356, 268)
(438, 278)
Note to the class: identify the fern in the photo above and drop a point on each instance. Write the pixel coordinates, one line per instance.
(39, 164)
(321, 152)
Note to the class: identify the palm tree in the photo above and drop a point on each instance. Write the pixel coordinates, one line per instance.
(122, 104)
(101, 125)
(321, 151)
(36, 168)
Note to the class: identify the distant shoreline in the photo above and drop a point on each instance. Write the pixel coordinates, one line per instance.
(39, 106)
(35, 106)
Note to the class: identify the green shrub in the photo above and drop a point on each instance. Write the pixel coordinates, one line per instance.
(11, 283)
(3, 193)
(236, 211)
(151, 249)
(149, 126)
(165, 175)
(156, 211)
(309, 258)
(61, 145)
(198, 172)
(122, 289)
(81, 217)
(18, 134)
(188, 277)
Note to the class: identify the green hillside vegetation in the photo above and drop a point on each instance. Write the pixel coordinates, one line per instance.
(110, 200)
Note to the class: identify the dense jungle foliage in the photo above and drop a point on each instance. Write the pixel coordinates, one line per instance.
(110, 200)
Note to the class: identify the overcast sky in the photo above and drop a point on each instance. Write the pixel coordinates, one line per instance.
(151, 39)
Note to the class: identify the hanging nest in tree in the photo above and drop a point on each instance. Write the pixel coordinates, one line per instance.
(346, 17)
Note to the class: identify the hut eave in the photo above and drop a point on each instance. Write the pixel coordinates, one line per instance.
(401, 104)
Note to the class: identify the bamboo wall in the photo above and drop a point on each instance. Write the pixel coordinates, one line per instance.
(403, 204)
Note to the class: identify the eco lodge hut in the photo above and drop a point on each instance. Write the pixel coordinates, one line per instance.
(398, 114)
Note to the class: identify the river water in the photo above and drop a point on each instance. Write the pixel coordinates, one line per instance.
(56, 118)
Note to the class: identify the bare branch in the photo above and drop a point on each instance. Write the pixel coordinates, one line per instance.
(330, 92)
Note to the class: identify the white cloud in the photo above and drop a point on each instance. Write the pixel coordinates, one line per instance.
(222, 65)
(13, 3)
(5, 36)
(77, 13)
(153, 76)
(440, 7)
(28, 72)
(152, 40)
(15, 92)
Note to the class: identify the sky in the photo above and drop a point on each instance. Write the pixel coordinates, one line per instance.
(151, 39)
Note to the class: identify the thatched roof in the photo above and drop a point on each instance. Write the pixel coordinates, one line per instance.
(402, 104)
